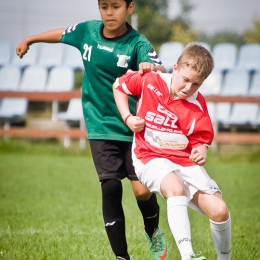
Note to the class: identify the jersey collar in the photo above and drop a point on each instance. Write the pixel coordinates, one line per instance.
(129, 29)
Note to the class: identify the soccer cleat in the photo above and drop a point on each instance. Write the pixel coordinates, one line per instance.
(158, 246)
(197, 256)
(120, 258)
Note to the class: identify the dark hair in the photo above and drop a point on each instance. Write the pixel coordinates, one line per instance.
(128, 2)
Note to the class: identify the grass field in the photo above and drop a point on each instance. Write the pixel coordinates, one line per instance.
(50, 205)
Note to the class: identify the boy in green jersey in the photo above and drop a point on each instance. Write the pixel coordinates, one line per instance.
(109, 48)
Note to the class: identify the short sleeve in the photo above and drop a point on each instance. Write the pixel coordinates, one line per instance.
(73, 35)
(130, 83)
(145, 52)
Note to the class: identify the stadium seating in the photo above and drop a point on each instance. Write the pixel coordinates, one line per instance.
(72, 58)
(211, 110)
(243, 114)
(73, 115)
(34, 78)
(51, 67)
(224, 55)
(257, 121)
(61, 78)
(220, 111)
(50, 54)
(10, 77)
(169, 54)
(5, 52)
(13, 110)
(212, 84)
(74, 112)
(255, 85)
(236, 83)
(29, 59)
(249, 57)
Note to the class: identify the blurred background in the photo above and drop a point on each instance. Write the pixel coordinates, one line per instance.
(212, 21)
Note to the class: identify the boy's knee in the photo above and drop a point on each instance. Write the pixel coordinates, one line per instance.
(174, 190)
(220, 213)
(142, 194)
(111, 188)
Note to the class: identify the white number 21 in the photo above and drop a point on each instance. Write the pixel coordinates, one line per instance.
(87, 52)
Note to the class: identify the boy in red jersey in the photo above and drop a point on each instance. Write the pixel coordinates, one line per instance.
(172, 133)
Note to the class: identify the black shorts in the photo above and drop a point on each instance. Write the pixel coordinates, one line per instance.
(113, 159)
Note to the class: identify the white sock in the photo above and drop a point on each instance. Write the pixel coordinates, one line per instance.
(178, 219)
(221, 234)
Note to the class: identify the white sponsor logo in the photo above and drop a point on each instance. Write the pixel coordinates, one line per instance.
(155, 90)
(105, 48)
(166, 140)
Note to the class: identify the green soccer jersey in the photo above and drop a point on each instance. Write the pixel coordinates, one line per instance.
(104, 60)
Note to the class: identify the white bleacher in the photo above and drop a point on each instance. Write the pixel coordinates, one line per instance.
(50, 54)
(10, 77)
(74, 114)
(13, 109)
(34, 79)
(72, 58)
(244, 114)
(255, 85)
(5, 52)
(212, 84)
(220, 111)
(169, 54)
(249, 57)
(235, 83)
(61, 78)
(257, 121)
(224, 55)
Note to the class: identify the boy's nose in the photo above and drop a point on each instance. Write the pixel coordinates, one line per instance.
(188, 86)
(109, 11)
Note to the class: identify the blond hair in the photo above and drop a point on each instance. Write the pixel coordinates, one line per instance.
(197, 58)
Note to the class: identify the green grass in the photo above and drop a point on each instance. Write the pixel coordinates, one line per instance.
(50, 205)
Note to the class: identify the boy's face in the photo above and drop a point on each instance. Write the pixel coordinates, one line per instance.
(185, 82)
(114, 14)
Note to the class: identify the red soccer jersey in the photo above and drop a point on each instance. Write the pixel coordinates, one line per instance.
(172, 126)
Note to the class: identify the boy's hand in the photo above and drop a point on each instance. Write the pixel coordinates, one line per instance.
(135, 123)
(197, 157)
(22, 48)
(146, 67)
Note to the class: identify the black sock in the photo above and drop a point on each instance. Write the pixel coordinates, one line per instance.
(150, 211)
(113, 215)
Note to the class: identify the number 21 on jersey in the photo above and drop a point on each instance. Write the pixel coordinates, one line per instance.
(87, 52)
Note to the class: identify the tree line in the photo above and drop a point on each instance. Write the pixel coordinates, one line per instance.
(154, 23)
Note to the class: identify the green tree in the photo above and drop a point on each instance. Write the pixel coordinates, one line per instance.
(153, 21)
(253, 35)
(182, 27)
(155, 5)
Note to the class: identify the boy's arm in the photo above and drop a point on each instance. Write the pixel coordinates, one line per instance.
(135, 123)
(199, 154)
(52, 36)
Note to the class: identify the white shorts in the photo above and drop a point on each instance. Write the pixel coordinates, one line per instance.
(195, 178)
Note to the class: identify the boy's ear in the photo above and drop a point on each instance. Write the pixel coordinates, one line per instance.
(175, 67)
(130, 8)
